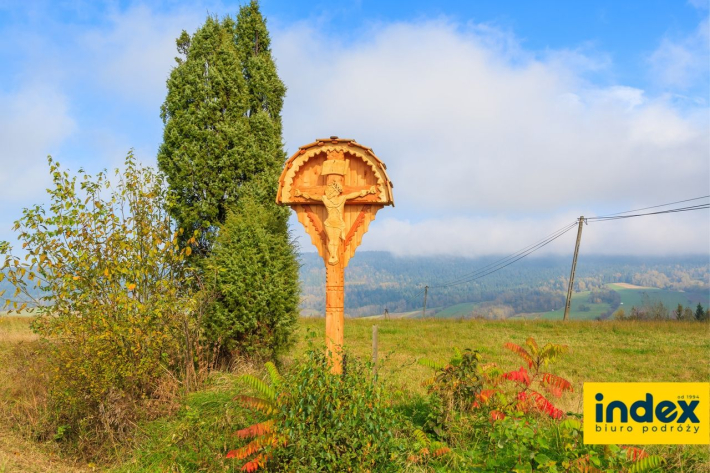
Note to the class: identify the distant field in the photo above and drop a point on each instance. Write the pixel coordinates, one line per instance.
(578, 299)
(458, 310)
(634, 297)
(630, 296)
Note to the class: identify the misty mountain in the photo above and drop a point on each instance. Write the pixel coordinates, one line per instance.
(375, 281)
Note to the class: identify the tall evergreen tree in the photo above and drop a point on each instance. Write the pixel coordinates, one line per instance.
(264, 102)
(222, 114)
(222, 153)
(205, 129)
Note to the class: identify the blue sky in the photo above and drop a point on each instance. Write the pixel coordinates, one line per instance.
(499, 121)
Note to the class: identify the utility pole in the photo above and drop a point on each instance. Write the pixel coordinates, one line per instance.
(574, 266)
(426, 289)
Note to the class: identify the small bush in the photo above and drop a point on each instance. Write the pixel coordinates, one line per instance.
(454, 387)
(324, 422)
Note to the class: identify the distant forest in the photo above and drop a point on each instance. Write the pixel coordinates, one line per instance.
(375, 281)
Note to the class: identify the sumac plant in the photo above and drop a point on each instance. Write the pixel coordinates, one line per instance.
(108, 281)
(262, 436)
(531, 386)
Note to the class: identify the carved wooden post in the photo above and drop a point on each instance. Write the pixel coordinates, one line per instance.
(334, 310)
(336, 186)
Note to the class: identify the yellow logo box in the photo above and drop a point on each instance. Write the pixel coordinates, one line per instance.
(647, 413)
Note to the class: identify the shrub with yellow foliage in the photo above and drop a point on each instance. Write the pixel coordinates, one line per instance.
(110, 284)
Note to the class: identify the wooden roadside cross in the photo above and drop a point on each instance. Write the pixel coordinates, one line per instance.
(335, 186)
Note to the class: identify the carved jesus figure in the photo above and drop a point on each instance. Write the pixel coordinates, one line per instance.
(334, 225)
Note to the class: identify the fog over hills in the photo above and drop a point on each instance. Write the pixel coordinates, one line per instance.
(375, 281)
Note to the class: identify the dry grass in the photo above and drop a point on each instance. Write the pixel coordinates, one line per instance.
(22, 386)
(15, 329)
(22, 402)
(20, 455)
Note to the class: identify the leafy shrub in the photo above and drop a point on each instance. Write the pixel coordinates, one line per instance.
(319, 421)
(251, 272)
(538, 444)
(454, 387)
(114, 302)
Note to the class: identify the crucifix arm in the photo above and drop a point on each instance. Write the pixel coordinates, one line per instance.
(305, 195)
(362, 193)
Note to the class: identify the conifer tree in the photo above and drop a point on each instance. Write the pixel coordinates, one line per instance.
(264, 102)
(253, 272)
(222, 154)
(222, 114)
(205, 130)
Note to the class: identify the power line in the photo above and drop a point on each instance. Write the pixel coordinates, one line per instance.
(681, 209)
(413, 296)
(531, 249)
(416, 295)
(537, 247)
(527, 250)
(518, 255)
(654, 206)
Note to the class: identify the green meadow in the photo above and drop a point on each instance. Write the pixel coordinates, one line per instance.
(630, 297)
(599, 351)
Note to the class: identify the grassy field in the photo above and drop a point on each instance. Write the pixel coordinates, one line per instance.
(634, 297)
(599, 351)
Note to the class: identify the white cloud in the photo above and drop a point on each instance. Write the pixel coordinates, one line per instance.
(490, 146)
(133, 56)
(471, 237)
(34, 122)
(683, 62)
(467, 131)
